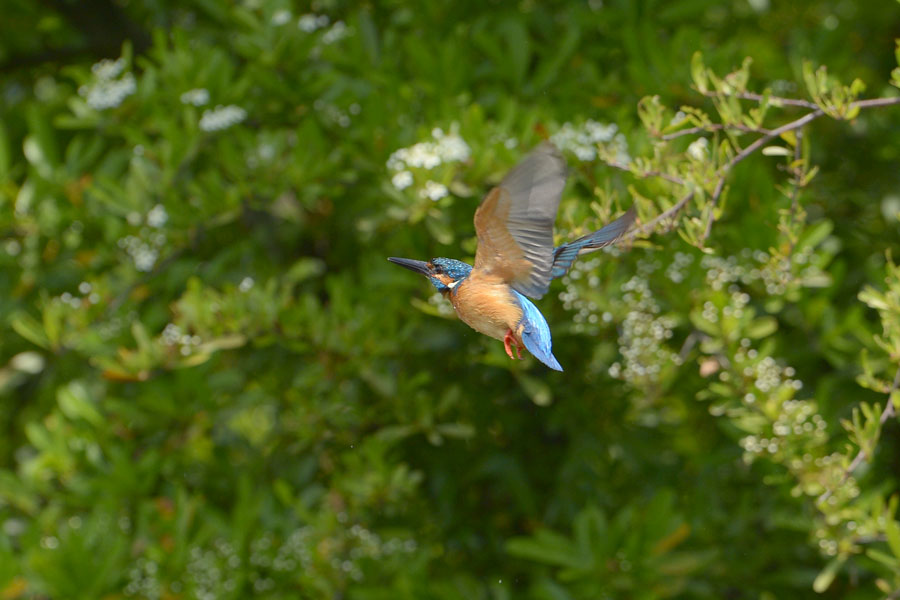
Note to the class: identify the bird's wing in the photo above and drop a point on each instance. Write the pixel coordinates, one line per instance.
(515, 222)
(565, 255)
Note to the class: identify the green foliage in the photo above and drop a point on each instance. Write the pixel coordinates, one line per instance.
(213, 384)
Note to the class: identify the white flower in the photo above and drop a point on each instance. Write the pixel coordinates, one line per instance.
(171, 334)
(196, 96)
(697, 149)
(583, 141)
(222, 117)
(108, 93)
(337, 32)
(157, 216)
(434, 190)
(108, 69)
(281, 17)
(402, 180)
(246, 284)
(428, 155)
(310, 22)
(145, 258)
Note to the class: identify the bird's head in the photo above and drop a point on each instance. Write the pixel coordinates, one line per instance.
(444, 273)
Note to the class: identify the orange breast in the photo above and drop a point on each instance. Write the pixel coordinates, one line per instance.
(486, 305)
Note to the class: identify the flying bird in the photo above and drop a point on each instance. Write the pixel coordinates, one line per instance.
(515, 256)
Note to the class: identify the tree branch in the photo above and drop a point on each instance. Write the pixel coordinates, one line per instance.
(887, 413)
(668, 214)
(710, 128)
(772, 99)
(796, 124)
(647, 174)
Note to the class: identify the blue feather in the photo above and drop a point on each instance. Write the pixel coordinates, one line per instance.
(565, 255)
(536, 333)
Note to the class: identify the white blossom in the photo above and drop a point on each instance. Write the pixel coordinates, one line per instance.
(222, 117)
(402, 180)
(434, 190)
(108, 93)
(281, 17)
(108, 69)
(444, 147)
(698, 148)
(196, 96)
(583, 141)
(157, 216)
(337, 32)
(311, 22)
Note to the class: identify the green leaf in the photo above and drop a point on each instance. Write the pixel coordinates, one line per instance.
(74, 401)
(30, 329)
(825, 578)
(762, 327)
(546, 547)
(698, 72)
(537, 389)
(460, 431)
(892, 532)
(891, 562)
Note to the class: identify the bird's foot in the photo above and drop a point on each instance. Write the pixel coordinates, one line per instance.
(509, 342)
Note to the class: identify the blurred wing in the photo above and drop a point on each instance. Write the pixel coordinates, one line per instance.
(565, 255)
(515, 222)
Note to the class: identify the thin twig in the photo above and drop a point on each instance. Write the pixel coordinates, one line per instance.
(712, 127)
(795, 188)
(875, 102)
(668, 214)
(712, 208)
(771, 99)
(796, 124)
(647, 174)
(886, 414)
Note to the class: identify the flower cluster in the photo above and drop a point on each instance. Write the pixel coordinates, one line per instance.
(281, 17)
(212, 572)
(643, 337)
(302, 552)
(442, 148)
(681, 261)
(222, 117)
(776, 274)
(583, 141)
(586, 316)
(143, 580)
(172, 335)
(195, 97)
(144, 254)
(110, 86)
(445, 147)
(310, 22)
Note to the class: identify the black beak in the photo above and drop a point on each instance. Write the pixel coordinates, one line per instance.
(419, 266)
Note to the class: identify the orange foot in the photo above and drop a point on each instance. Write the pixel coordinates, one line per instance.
(510, 340)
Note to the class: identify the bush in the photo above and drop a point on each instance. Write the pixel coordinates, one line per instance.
(213, 384)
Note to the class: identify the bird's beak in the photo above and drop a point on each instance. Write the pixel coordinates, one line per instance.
(419, 266)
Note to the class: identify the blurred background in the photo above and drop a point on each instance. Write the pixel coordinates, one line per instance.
(213, 384)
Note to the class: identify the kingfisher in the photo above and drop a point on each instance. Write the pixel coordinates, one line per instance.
(515, 259)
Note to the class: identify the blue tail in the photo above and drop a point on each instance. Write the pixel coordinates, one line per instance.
(536, 333)
(565, 255)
